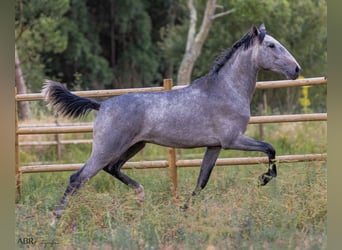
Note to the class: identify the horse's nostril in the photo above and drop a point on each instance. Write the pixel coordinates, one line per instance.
(297, 69)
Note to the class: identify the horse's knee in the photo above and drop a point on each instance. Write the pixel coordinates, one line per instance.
(77, 179)
(271, 152)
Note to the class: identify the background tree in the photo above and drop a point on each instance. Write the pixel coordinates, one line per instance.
(39, 31)
(115, 44)
(195, 40)
(82, 62)
(111, 44)
(24, 107)
(128, 44)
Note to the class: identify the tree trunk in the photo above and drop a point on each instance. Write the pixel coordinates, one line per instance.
(195, 41)
(24, 106)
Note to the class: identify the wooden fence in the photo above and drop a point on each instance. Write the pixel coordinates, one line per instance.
(172, 162)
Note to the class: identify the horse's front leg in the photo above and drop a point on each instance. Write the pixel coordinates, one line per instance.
(207, 166)
(271, 172)
(245, 143)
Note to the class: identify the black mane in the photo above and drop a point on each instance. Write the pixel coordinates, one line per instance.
(245, 41)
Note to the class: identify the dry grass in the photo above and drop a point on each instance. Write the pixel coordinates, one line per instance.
(231, 213)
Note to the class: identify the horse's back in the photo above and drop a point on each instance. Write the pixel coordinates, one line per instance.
(157, 117)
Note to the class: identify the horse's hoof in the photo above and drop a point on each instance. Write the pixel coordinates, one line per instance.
(140, 194)
(58, 212)
(74, 225)
(269, 175)
(264, 179)
(184, 207)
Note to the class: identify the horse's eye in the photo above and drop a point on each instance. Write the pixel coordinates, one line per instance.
(271, 45)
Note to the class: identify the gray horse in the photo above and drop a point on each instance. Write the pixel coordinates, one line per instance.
(212, 112)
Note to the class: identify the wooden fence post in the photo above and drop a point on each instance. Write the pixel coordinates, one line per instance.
(58, 141)
(261, 125)
(17, 155)
(172, 153)
(173, 172)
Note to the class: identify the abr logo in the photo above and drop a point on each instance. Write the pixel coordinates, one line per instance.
(26, 241)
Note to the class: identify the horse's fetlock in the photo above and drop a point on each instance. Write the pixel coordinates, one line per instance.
(272, 161)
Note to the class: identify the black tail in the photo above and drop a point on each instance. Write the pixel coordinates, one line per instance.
(66, 103)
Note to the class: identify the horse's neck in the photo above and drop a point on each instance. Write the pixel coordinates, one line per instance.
(240, 73)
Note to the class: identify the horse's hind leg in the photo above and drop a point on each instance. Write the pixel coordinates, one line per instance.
(77, 179)
(115, 170)
(103, 153)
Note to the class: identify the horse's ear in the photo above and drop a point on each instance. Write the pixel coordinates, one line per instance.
(262, 32)
(262, 27)
(255, 30)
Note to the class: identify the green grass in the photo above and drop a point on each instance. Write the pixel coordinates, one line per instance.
(231, 213)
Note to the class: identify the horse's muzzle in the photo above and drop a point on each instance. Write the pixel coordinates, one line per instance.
(293, 73)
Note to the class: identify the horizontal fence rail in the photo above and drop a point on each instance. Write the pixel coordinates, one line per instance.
(91, 93)
(181, 163)
(51, 143)
(114, 92)
(172, 163)
(292, 83)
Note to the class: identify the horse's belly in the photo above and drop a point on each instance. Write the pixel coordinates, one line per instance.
(183, 138)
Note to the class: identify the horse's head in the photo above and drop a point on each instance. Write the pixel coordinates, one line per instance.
(271, 55)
